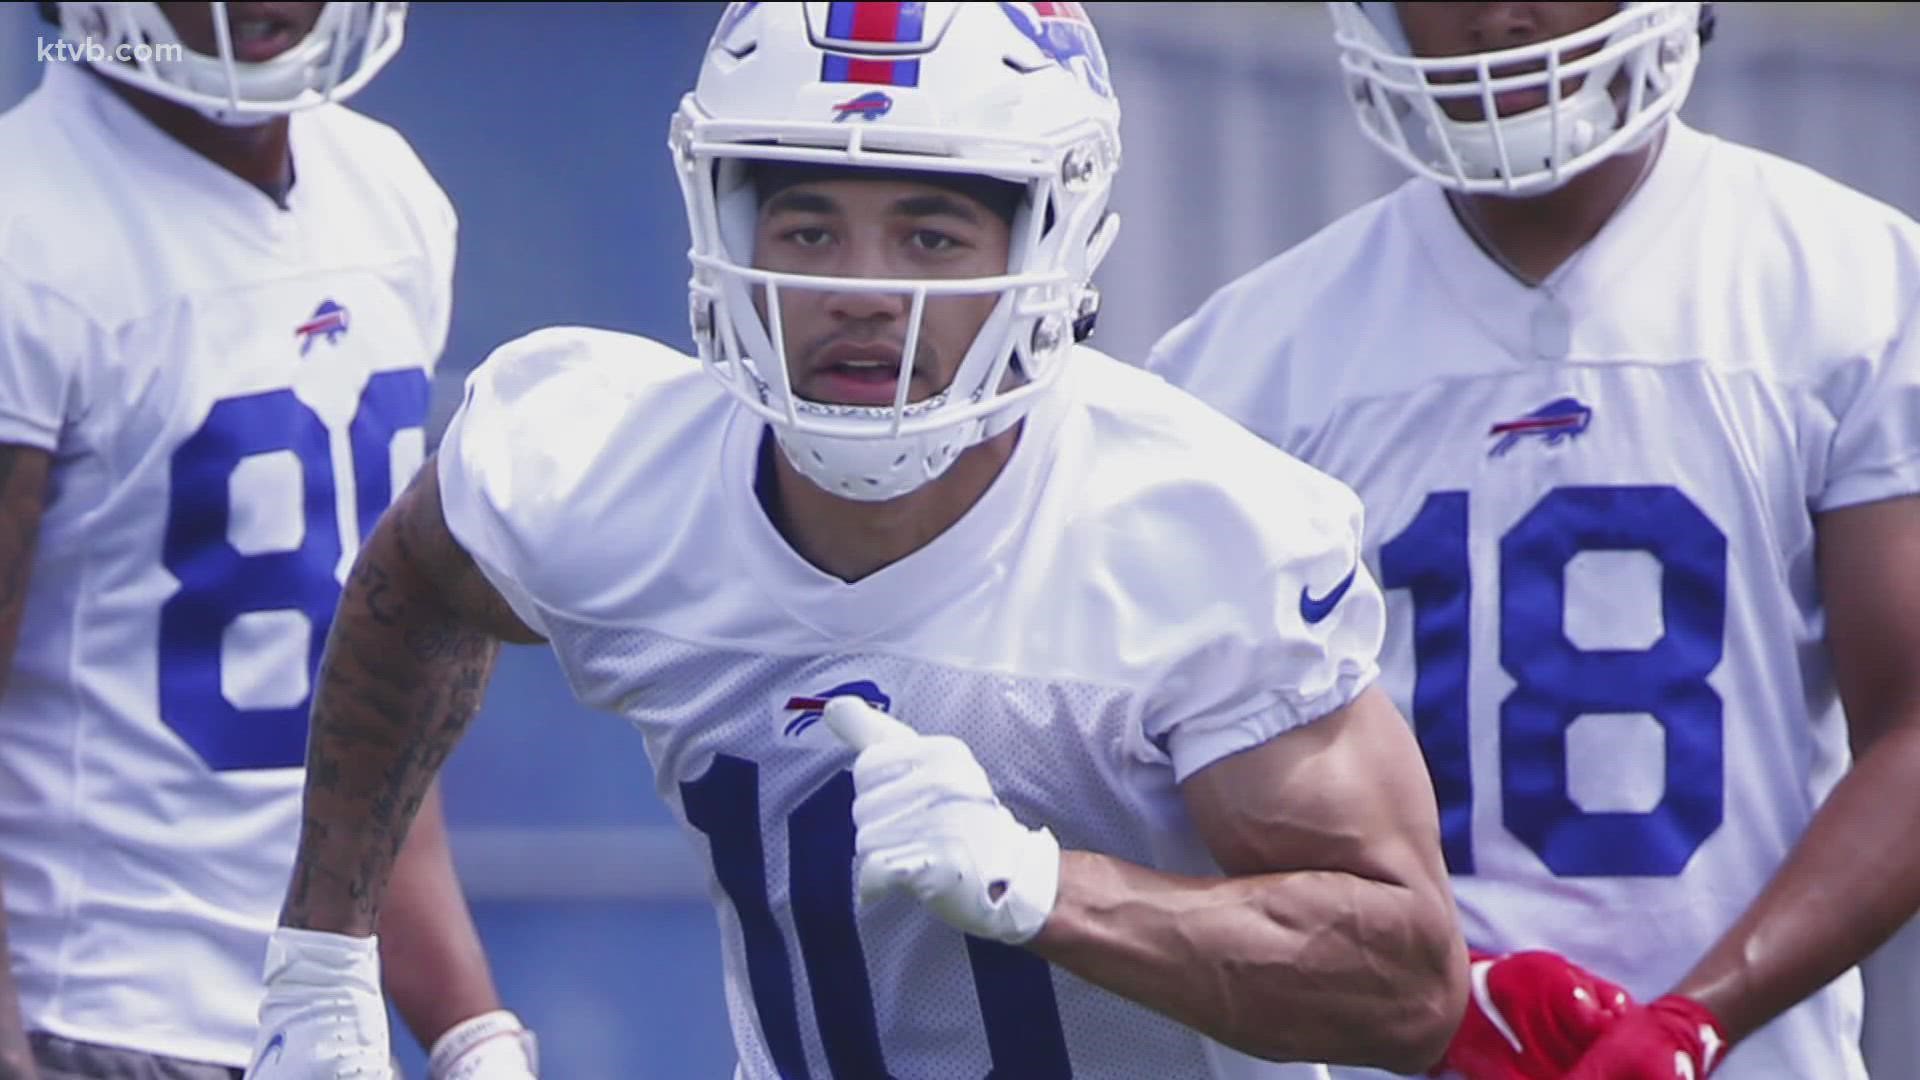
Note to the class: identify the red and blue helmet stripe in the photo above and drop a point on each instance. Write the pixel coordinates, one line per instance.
(865, 23)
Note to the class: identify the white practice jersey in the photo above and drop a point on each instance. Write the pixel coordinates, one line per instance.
(1122, 607)
(232, 393)
(1596, 533)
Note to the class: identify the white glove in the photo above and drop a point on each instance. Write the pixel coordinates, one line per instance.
(927, 821)
(491, 1046)
(323, 1017)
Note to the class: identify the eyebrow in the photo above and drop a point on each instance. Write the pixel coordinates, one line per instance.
(935, 204)
(796, 201)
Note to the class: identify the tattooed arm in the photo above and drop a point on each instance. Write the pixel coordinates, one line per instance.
(23, 486)
(406, 665)
(431, 961)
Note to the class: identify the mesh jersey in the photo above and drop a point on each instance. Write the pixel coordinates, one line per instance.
(1117, 611)
(1605, 621)
(231, 393)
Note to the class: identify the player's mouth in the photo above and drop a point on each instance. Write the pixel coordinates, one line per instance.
(1528, 98)
(848, 374)
(1520, 99)
(260, 32)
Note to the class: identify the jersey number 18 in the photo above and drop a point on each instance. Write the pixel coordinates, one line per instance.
(1556, 682)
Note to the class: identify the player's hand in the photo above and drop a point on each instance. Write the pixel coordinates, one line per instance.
(1673, 1038)
(323, 1017)
(1530, 1016)
(927, 821)
(491, 1046)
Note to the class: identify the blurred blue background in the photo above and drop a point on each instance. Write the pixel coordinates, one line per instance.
(546, 123)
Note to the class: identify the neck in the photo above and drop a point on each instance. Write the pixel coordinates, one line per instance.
(257, 153)
(851, 539)
(1535, 236)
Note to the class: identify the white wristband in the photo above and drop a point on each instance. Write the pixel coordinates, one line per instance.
(467, 1047)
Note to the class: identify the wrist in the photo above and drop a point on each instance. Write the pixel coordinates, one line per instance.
(1029, 902)
(1694, 1011)
(1701, 1023)
(476, 1044)
(300, 955)
(1724, 1002)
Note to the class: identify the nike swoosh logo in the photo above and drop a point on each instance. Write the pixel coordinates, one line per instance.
(274, 1046)
(1477, 974)
(1314, 610)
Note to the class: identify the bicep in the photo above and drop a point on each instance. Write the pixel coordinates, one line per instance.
(23, 494)
(1346, 793)
(1868, 555)
(414, 544)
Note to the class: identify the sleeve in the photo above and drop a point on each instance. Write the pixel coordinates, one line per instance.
(436, 228)
(45, 344)
(1873, 404)
(442, 232)
(488, 468)
(1209, 356)
(1302, 645)
(1172, 357)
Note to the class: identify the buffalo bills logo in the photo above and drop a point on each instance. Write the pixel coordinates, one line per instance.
(871, 105)
(1557, 421)
(1063, 32)
(812, 709)
(329, 321)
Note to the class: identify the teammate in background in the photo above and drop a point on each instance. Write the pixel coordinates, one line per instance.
(1635, 414)
(217, 326)
(1107, 821)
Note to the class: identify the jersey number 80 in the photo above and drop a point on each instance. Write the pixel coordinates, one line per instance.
(219, 583)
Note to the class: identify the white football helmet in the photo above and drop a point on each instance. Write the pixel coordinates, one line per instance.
(137, 44)
(1638, 75)
(1011, 92)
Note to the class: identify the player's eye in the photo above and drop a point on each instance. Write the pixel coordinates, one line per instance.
(807, 236)
(934, 240)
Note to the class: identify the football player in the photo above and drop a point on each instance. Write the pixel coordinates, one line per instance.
(1635, 414)
(222, 296)
(1021, 707)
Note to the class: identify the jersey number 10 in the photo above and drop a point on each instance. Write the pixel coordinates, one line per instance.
(219, 583)
(1557, 682)
(1014, 987)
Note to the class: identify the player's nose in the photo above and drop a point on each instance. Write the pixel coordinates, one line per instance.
(856, 301)
(1504, 25)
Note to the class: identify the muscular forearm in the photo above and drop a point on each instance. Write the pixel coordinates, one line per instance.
(401, 679)
(1850, 882)
(1294, 967)
(430, 956)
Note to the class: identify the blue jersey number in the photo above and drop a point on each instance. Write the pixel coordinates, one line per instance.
(1556, 682)
(1014, 987)
(218, 583)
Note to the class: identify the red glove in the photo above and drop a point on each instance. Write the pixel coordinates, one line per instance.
(1674, 1038)
(1530, 1017)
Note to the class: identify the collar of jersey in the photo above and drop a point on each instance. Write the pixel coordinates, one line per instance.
(1502, 305)
(168, 165)
(969, 556)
